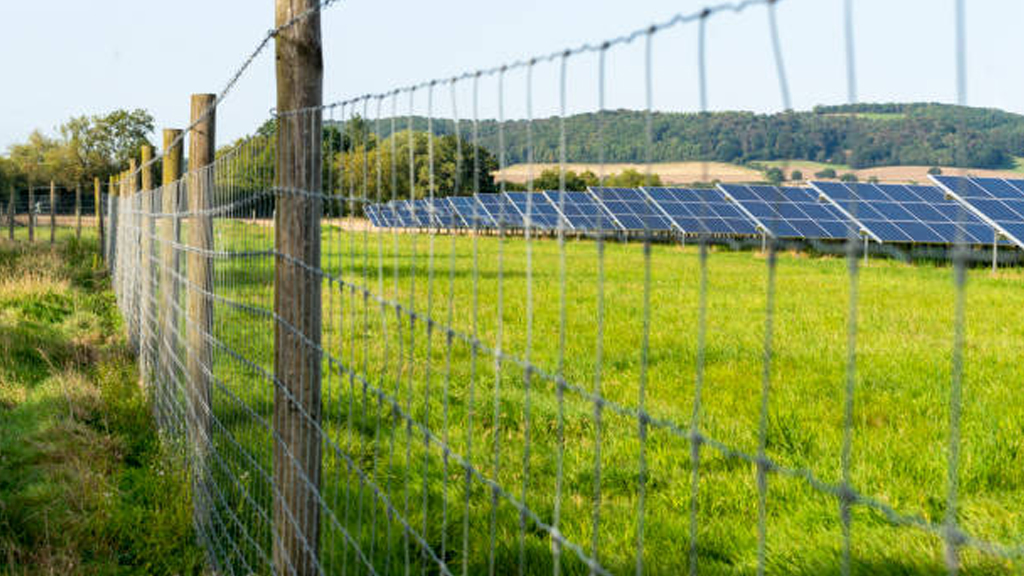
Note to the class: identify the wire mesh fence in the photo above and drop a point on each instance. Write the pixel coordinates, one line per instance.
(377, 401)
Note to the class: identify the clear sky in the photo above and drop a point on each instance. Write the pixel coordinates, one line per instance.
(69, 57)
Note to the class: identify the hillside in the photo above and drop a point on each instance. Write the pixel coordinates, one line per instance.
(858, 136)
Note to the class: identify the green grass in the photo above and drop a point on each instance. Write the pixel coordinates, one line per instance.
(84, 485)
(491, 415)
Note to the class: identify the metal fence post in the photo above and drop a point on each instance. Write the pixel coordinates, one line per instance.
(200, 286)
(297, 292)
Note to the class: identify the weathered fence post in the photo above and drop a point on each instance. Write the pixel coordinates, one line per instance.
(134, 264)
(99, 215)
(111, 219)
(11, 213)
(200, 281)
(78, 210)
(53, 212)
(297, 302)
(31, 213)
(147, 306)
(168, 230)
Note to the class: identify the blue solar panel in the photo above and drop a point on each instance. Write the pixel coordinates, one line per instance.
(402, 214)
(534, 209)
(904, 213)
(791, 212)
(441, 213)
(500, 210)
(582, 211)
(632, 209)
(701, 211)
(371, 212)
(1000, 203)
(471, 212)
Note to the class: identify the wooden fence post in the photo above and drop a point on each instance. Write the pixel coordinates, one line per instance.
(200, 280)
(112, 187)
(147, 305)
(11, 213)
(97, 206)
(78, 210)
(53, 212)
(297, 292)
(31, 213)
(169, 232)
(134, 269)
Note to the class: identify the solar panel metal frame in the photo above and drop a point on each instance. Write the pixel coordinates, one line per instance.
(441, 213)
(468, 217)
(548, 220)
(708, 210)
(407, 214)
(774, 205)
(880, 198)
(576, 198)
(370, 210)
(965, 201)
(624, 219)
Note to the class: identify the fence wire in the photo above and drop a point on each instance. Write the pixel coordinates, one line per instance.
(491, 401)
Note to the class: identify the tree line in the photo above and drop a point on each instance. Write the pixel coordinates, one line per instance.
(861, 136)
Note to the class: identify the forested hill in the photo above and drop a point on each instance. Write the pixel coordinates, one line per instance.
(861, 136)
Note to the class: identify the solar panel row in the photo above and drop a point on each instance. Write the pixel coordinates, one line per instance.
(973, 210)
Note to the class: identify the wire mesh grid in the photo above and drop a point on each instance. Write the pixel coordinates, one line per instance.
(495, 401)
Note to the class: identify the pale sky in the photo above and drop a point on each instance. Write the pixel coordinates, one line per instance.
(69, 57)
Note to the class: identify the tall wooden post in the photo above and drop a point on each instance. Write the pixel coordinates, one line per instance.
(11, 212)
(169, 232)
(147, 305)
(133, 264)
(97, 206)
(31, 213)
(78, 210)
(112, 187)
(53, 212)
(200, 279)
(297, 297)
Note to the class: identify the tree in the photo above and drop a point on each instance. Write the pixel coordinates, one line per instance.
(796, 175)
(825, 173)
(774, 175)
(550, 179)
(848, 177)
(383, 171)
(935, 170)
(630, 178)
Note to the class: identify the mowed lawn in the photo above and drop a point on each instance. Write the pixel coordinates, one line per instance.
(398, 387)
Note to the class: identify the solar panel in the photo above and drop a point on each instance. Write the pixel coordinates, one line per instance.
(472, 212)
(534, 209)
(998, 202)
(441, 213)
(904, 213)
(406, 215)
(582, 211)
(501, 210)
(701, 211)
(791, 212)
(371, 212)
(631, 209)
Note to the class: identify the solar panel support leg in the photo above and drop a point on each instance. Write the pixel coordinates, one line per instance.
(764, 242)
(995, 252)
(865, 250)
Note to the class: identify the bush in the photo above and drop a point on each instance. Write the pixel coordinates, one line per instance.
(848, 177)
(796, 175)
(935, 170)
(826, 173)
(774, 175)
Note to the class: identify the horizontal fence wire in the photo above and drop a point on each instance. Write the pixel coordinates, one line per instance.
(485, 401)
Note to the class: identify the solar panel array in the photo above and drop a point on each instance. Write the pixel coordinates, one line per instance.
(792, 212)
(999, 202)
(971, 209)
(906, 213)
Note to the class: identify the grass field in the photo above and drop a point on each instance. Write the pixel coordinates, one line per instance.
(506, 421)
(84, 487)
